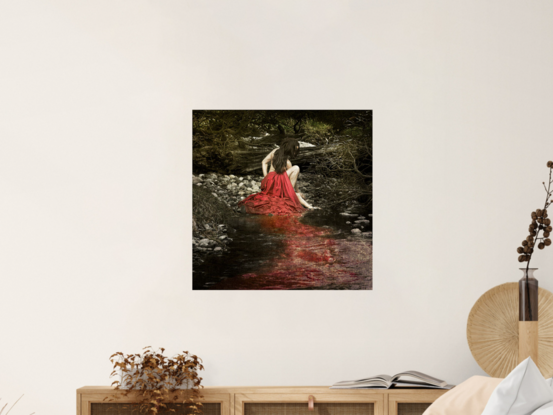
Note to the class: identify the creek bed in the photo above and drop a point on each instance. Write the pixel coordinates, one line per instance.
(314, 252)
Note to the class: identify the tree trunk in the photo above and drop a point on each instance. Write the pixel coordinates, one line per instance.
(249, 161)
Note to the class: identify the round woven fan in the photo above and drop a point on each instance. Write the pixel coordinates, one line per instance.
(492, 330)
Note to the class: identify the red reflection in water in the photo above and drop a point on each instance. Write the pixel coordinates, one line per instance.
(310, 259)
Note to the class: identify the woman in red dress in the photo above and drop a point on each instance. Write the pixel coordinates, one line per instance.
(279, 195)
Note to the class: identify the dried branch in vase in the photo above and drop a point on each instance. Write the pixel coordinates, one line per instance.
(157, 380)
(540, 223)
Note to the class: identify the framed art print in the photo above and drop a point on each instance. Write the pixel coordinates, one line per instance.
(282, 200)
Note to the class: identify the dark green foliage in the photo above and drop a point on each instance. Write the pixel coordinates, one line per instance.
(222, 142)
(229, 128)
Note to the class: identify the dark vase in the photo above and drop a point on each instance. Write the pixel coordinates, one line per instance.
(528, 296)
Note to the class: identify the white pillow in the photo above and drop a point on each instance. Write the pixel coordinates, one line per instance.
(523, 391)
(546, 409)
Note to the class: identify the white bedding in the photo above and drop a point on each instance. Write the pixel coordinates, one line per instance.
(523, 392)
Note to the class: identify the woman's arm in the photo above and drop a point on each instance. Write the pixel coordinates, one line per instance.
(267, 161)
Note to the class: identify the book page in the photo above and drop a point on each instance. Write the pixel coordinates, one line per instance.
(421, 376)
(385, 378)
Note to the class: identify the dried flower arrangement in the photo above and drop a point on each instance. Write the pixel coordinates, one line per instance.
(158, 379)
(540, 222)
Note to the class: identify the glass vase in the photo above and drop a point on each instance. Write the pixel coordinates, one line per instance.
(528, 296)
(528, 316)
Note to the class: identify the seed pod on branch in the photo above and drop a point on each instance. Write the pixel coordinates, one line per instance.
(540, 221)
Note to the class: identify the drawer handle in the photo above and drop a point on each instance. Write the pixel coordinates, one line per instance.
(311, 403)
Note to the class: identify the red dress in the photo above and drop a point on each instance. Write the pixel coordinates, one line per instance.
(277, 197)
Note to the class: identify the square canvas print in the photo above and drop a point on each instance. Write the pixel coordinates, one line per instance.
(282, 200)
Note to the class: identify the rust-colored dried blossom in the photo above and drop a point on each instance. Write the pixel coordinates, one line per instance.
(157, 380)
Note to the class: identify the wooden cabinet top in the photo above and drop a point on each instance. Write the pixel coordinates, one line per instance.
(279, 390)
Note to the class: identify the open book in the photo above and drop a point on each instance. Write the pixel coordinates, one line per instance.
(408, 379)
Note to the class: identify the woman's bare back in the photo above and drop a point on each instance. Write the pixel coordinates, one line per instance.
(269, 160)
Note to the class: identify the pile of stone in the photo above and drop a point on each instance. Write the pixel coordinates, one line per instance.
(229, 188)
(358, 223)
(213, 239)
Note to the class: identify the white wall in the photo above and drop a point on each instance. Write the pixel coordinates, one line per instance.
(95, 164)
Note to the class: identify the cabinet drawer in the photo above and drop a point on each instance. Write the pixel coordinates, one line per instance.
(297, 404)
(97, 404)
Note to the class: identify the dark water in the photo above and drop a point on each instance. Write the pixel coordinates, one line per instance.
(315, 251)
